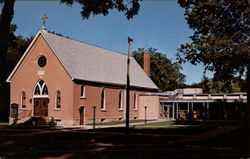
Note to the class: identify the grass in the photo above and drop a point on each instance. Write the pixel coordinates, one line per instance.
(3, 123)
(117, 122)
(166, 124)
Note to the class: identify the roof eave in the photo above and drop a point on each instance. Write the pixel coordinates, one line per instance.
(22, 58)
(72, 78)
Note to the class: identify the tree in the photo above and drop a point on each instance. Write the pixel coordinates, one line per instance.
(17, 47)
(212, 86)
(165, 74)
(95, 7)
(221, 37)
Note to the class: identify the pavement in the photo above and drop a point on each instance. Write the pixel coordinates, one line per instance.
(88, 127)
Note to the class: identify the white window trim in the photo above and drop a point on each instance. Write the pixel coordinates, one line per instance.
(104, 100)
(121, 100)
(135, 101)
(40, 90)
(84, 90)
(22, 100)
(56, 101)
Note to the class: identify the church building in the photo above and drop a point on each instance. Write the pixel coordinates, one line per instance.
(72, 82)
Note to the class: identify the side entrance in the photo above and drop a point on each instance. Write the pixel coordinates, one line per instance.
(41, 106)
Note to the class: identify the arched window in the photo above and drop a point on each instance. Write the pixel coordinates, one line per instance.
(82, 94)
(135, 101)
(120, 104)
(58, 100)
(103, 99)
(41, 89)
(23, 100)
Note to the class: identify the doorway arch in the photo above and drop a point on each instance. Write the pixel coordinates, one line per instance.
(41, 99)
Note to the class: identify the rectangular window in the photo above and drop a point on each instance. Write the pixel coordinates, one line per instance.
(23, 100)
(103, 99)
(135, 101)
(120, 104)
(58, 100)
(82, 94)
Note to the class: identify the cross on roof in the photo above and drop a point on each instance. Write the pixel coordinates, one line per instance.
(44, 18)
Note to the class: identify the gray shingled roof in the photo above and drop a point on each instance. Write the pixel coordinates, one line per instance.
(91, 63)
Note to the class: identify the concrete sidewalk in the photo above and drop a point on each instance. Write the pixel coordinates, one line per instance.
(87, 127)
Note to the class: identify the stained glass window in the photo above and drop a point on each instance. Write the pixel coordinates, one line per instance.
(41, 88)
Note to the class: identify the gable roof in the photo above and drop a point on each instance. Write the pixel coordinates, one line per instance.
(90, 63)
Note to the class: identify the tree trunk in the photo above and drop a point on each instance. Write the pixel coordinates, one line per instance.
(5, 21)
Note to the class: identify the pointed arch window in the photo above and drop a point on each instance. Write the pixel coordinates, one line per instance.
(41, 89)
(103, 99)
(58, 100)
(135, 101)
(23, 100)
(120, 104)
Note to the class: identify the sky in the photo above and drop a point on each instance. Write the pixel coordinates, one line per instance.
(160, 24)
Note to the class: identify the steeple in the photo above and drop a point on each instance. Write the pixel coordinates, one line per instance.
(44, 18)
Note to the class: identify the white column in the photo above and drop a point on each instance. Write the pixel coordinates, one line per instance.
(188, 108)
(207, 110)
(203, 110)
(173, 111)
(192, 107)
(177, 111)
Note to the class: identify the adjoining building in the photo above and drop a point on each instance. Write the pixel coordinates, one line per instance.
(69, 81)
(192, 103)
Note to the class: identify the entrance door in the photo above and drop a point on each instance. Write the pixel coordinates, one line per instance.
(81, 111)
(41, 106)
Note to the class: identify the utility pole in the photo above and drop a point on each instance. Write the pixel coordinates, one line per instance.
(128, 86)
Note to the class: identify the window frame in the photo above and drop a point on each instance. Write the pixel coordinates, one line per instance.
(41, 88)
(103, 99)
(83, 91)
(120, 100)
(135, 106)
(23, 100)
(56, 100)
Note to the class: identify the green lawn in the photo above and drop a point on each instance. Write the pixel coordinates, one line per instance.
(166, 124)
(3, 123)
(117, 122)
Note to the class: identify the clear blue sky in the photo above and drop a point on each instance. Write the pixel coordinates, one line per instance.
(160, 24)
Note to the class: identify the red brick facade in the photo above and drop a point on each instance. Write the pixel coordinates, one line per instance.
(57, 79)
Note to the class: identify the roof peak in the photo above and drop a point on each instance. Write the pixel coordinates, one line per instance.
(93, 45)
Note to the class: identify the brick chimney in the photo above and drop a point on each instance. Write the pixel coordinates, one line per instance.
(146, 62)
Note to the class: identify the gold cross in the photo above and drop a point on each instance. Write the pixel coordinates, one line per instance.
(44, 18)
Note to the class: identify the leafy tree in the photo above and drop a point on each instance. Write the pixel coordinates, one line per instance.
(11, 47)
(17, 47)
(211, 86)
(95, 7)
(165, 74)
(221, 37)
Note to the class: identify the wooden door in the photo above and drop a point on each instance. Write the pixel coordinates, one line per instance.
(41, 106)
(81, 111)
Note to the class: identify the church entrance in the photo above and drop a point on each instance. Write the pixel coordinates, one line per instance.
(41, 106)
(41, 99)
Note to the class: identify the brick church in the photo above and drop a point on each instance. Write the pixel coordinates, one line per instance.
(65, 79)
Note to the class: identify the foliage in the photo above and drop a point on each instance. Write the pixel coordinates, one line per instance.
(89, 7)
(96, 7)
(16, 49)
(165, 74)
(221, 36)
(229, 86)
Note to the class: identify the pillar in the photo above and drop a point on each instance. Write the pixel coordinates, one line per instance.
(177, 110)
(207, 110)
(173, 110)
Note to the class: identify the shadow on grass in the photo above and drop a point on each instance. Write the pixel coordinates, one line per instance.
(113, 143)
